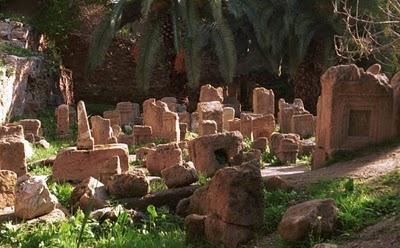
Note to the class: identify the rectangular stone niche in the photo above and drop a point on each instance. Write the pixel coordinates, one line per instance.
(359, 123)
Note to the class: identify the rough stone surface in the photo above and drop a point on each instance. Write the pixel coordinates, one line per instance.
(85, 139)
(227, 116)
(131, 184)
(33, 198)
(232, 203)
(209, 94)
(355, 109)
(207, 127)
(260, 143)
(246, 125)
(32, 127)
(164, 156)
(263, 126)
(89, 194)
(72, 164)
(8, 180)
(111, 168)
(263, 101)
(14, 149)
(143, 134)
(211, 111)
(276, 183)
(317, 217)
(179, 175)
(102, 131)
(213, 152)
(128, 112)
(114, 116)
(220, 232)
(194, 226)
(285, 146)
(164, 123)
(171, 103)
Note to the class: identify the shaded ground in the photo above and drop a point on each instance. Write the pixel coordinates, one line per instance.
(385, 234)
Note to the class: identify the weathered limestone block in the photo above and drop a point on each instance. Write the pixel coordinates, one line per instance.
(355, 109)
(194, 226)
(90, 194)
(85, 139)
(114, 116)
(263, 126)
(111, 168)
(227, 116)
(260, 143)
(185, 117)
(303, 125)
(213, 152)
(263, 101)
(286, 113)
(220, 232)
(72, 164)
(246, 125)
(164, 156)
(276, 183)
(211, 111)
(207, 127)
(285, 146)
(14, 149)
(164, 123)
(209, 94)
(128, 112)
(63, 121)
(233, 203)
(143, 134)
(179, 175)
(33, 198)
(316, 217)
(131, 184)
(32, 127)
(234, 125)
(102, 131)
(8, 180)
(171, 103)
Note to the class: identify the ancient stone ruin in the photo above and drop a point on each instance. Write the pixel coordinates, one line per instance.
(355, 109)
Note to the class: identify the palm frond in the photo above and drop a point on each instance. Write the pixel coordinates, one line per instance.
(146, 7)
(149, 45)
(103, 36)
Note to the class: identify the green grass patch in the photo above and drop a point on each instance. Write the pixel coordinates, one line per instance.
(9, 48)
(62, 191)
(360, 203)
(160, 230)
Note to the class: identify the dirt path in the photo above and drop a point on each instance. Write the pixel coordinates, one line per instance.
(370, 166)
(384, 234)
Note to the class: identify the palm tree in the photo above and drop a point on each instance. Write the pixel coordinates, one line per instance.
(172, 29)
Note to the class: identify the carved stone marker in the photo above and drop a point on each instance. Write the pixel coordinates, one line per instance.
(263, 101)
(85, 139)
(355, 109)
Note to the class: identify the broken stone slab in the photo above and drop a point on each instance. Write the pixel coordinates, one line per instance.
(114, 117)
(208, 93)
(72, 164)
(112, 167)
(112, 214)
(169, 198)
(163, 156)
(14, 149)
(276, 183)
(315, 217)
(85, 140)
(89, 194)
(261, 144)
(131, 184)
(179, 175)
(54, 216)
(211, 111)
(227, 115)
(263, 101)
(285, 146)
(8, 180)
(32, 127)
(207, 127)
(33, 198)
(128, 112)
(213, 152)
(102, 131)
